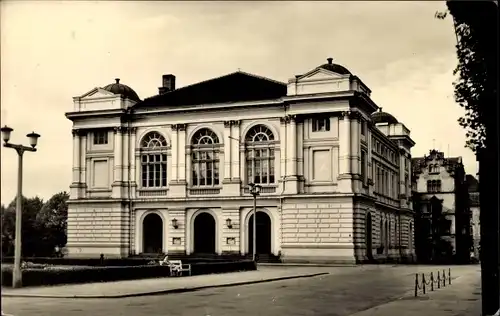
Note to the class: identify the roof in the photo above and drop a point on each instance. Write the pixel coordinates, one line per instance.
(121, 89)
(335, 67)
(383, 117)
(472, 183)
(234, 87)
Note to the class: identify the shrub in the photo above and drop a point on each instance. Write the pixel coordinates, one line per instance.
(52, 275)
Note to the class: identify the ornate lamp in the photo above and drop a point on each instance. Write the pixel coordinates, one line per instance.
(228, 223)
(174, 223)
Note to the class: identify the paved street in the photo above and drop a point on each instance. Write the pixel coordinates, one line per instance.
(344, 292)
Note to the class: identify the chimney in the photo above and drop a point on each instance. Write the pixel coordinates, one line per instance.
(168, 84)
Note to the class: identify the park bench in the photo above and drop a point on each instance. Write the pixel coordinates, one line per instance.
(176, 266)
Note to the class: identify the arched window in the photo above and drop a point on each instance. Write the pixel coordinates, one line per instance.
(259, 150)
(382, 242)
(153, 160)
(205, 158)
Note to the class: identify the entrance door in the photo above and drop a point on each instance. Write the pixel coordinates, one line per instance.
(152, 229)
(263, 228)
(204, 234)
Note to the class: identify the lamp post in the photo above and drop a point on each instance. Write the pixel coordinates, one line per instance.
(255, 191)
(20, 149)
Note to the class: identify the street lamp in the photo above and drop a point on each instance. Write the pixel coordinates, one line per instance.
(255, 191)
(20, 149)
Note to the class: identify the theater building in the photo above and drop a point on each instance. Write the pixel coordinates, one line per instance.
(170, 173)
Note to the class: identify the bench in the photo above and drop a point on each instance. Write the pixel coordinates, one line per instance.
(176, 266)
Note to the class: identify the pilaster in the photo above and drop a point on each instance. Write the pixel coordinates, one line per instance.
(132, 149)
(235, 152)
(283, 151)
(75, 183)
(345, 176)
(369, 156)
(84, 163)
(300, 155)
(291, 179)
(355, 151)
(402, 187)
(231, 182)
(118, 163)
(178, 185)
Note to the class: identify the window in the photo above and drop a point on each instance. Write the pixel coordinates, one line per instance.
(363, 128)
(259, 151)
(100, 137)
(205, 158)
(434, 186)
(406, 185)
(363, 167)
(321, 125)
(154, 160)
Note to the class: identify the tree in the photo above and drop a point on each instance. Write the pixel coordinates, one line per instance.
(476, 28)
(52, 221)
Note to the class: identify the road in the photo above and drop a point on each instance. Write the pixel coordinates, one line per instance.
(344, 292)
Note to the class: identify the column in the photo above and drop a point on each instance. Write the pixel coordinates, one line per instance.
(84, 161)
(235, 151)
(292, 147)
(300, 154)
(344, 184)
(227, 150)
(182, 152)
(118, 153)
(369, 143)
(175, 155)
(125, 155)
(402, 187)
(76, 156)
(355, 152)
(132, 162)
(283, 145)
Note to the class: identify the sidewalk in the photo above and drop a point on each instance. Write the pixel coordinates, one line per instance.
(461, 298)
(167, 285)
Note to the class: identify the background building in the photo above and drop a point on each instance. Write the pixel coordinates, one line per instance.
(473, 188)
(442, 210)
(170, 173)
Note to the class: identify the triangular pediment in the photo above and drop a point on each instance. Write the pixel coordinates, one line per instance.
(319, 74)
(97, 93)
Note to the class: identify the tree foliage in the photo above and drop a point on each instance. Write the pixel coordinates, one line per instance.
(475, 88)
(43, 225)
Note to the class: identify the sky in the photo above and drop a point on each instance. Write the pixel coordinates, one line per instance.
(53, 51)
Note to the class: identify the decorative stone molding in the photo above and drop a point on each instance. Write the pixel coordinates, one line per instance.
(354, 116)
(344, 114)
(179, 127)
(288, 118)
(119, 129)
(76, 132)
(232, 123)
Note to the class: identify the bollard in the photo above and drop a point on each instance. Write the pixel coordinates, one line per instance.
(432, 282)
(423, 283)
(444, 279)
(449, 276)
(439, 281)
(101, 259)
(416, 284)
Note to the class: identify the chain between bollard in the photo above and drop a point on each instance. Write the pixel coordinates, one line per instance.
(441, 278)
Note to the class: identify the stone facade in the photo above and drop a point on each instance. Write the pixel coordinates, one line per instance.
(441, 202)
(171, 175)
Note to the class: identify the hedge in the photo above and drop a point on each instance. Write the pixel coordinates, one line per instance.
(55, 275)
(112, 262)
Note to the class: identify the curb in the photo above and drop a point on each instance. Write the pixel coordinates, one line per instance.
(312, 265)
(171, 291)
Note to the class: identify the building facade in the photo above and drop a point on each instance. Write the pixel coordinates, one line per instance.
(473, 187)
(441, 204)
(170, 173)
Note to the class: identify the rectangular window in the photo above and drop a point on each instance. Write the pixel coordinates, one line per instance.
(100, 137)
(363, 128)
(260, 165)
(363, 167)
(154, 170)
(321, 125)
(205, 167)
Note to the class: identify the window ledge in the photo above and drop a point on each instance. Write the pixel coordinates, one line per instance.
(144, 192)
(204, 190)
(265, 188)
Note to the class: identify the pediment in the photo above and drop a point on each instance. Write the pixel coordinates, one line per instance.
(97, 93)
(319, 74)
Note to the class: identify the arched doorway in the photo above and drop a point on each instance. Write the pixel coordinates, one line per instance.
(368, 230)
(152, 231)
(263, 242)
(204, 234)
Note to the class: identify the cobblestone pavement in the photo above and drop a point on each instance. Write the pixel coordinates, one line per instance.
(338, 294)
